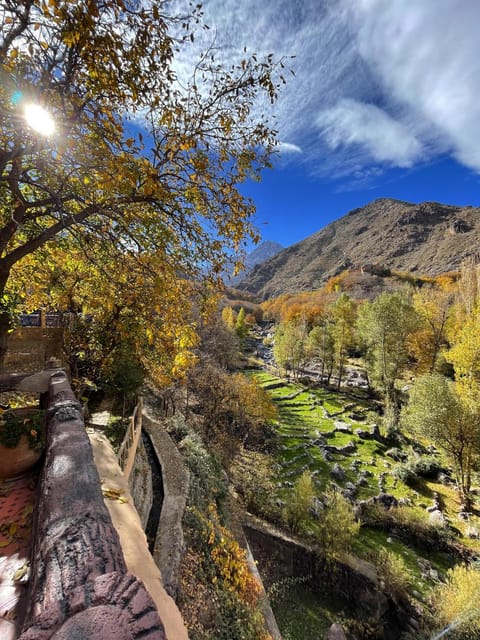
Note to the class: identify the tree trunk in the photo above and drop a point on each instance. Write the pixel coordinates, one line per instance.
(5, 319)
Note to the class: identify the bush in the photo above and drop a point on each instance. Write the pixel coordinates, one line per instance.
(422, 467)
(393, 573)
(456, 602)
(405, 473)
(236, 592)
(426, 467)
(337, 525)
(206, 474)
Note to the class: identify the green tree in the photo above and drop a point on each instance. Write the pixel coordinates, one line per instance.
(384, 326)
(337, 526)
(300, 502)
(288, 348)
(343, 314)
(320, 344)
(93, 65)
(435, 411)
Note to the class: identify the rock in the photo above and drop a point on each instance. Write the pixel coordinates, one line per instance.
(437, 518)
(472, 532)
(349, 491)
(444, 478)
(397, 454)
(337, 472)
(363, 433)
(342, 427)
(336, 632)
(413, 622)
(386, 500)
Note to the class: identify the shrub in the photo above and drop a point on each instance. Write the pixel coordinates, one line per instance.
(422, 467)
(337, 525)
(393, 573)
(224, 564)
(206, 475)
(426, 467)
(456, 602)
(300, 502)
(405, 473)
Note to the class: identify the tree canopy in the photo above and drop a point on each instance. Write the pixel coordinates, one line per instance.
(166, 187)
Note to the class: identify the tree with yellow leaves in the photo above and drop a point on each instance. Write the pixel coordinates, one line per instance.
(168, 190)
(143, 318)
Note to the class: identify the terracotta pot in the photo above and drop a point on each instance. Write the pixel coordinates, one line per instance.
(17, 461)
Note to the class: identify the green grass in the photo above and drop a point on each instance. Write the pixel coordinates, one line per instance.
(301, 420)
(302, 615)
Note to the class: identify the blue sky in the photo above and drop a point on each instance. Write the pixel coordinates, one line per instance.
(385, 102)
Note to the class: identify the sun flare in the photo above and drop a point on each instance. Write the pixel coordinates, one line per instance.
(39, 119)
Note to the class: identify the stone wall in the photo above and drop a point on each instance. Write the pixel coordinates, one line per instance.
(169, 543)
(29, 348)
(352, 581)
(140, 484)
(80, 586)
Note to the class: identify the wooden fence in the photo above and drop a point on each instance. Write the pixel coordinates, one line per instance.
(128, 448)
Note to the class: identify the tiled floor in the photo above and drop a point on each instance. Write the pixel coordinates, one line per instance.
(16, 507)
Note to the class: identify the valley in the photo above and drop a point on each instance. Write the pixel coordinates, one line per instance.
(413, 526)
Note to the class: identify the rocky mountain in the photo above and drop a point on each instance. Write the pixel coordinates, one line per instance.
(426, 239)
(263, 252)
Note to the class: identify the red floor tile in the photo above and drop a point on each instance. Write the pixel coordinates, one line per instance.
(16, 507)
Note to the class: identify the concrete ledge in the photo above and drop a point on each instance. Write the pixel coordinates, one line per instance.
(169, 543)
(79, 579)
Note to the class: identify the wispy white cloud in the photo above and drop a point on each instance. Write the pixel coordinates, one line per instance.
(378, 82)
(287, 148)
(425, 55)
(382, 138)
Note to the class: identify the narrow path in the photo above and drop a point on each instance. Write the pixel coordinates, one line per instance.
(132, 537)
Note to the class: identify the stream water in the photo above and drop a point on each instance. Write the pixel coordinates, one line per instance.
(158, 493)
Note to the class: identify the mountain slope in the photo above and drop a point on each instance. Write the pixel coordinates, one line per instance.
(427, 238)
(263, 252)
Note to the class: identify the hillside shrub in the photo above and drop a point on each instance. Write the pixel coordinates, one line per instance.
(423, 467)
(337, 525)
(207, 483)
(224, 565)
(456, 603)
(392, 572)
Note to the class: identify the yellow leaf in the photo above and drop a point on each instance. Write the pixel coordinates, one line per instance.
(21, 572)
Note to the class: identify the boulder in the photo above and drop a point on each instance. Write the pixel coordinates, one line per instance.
(337, 472)
(336, 632)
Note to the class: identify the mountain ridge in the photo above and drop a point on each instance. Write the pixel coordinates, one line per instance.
(427, 238)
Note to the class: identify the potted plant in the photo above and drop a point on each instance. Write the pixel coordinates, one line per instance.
(21, 440)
